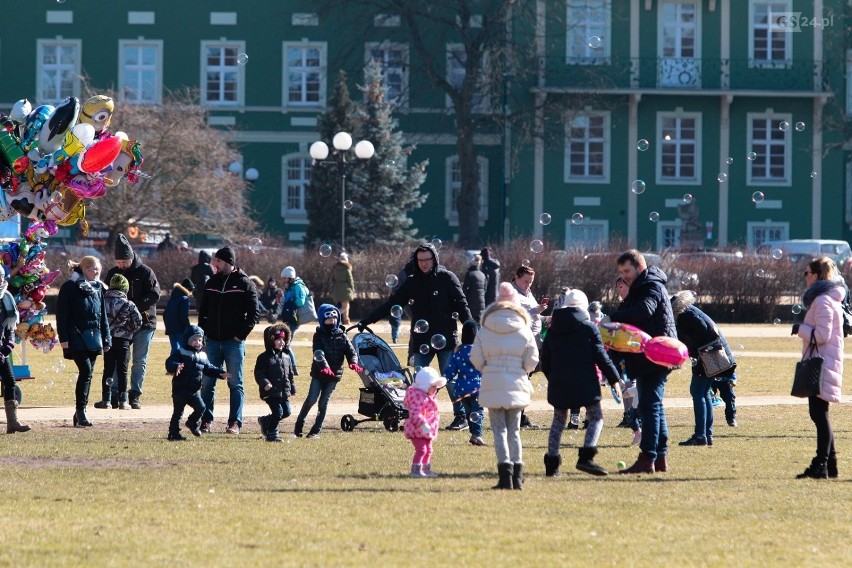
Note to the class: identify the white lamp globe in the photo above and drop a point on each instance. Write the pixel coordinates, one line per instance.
(342, 141)
(252, 174)
(319, 151)
(364, 149)
(235, 168)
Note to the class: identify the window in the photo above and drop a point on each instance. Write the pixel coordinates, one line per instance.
(591, 234)
(770, 43)
(588, 34)
(297, 178)
(304, 75)
(679, 148)
(394, 60)
(587, 147)
(760, 232)
(680, 46)
(140, 71)
(456, 72)
(58, 69)
(454, 187)
(222, 79)
(668, 234)
(769, 143)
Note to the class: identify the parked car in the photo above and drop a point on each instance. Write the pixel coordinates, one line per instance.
(803, 250)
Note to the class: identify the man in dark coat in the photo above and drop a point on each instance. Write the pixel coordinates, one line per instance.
(435, 296)
(474, 288)
(200, 274)
(491, 268)
(647, 307)
(144, 292)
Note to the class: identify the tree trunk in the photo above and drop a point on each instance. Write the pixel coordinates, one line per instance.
(467, 203)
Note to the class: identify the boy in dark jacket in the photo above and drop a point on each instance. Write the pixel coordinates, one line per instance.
(467, 380)
(330, 347)
(569, 354)
(188, 363)
(176, 314)
(124, 320)
(273, 372)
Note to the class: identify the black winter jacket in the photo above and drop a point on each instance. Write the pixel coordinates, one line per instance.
(195, 365)
(696, 329)
(144, 289)
(569, 354)
(8, 319)
(229, 306)
(336, 346)
(176, 314)
(491, 268)
(647, 307)
(200, 274)
(474, 291)
(81, 306)
(276, 368)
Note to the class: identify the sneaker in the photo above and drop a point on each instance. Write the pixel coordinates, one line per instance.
(260, 420)
(709, 440)
(103, 404)
(205, 427)
(233, 428)
(124, 406)
(527, 423)
(193, 428)
(695, 441)
(625, 422)
(176, 437)
(426, 470)
(717, 401)
(458, 423)
(135, 404)
(637, 437)
(273, 437)
(732, 422)
(477, 441)
(313, 435)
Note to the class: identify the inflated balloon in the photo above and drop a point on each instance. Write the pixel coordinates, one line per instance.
(61, 120)
(623, 337)
(126, 164)
(97, 111)
(33, 125)
(99, 155)
(666, 351)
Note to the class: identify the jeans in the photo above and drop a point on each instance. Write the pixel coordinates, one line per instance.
(141, 344)
(655, 430)
(279, 409)
(180, 402)
(173, 341)
(727, 393)
(231, 353)
(420, 360)
(702, 405)
(818, 409)
(85, 361)
(474, 414)
(506, 426)
(319, 390)
(116, 363)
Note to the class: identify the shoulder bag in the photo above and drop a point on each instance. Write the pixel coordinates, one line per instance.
(91, 339)
(808, 372)
(307, 312)
(715, 359)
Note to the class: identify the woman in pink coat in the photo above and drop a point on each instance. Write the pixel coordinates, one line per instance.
(824, 321)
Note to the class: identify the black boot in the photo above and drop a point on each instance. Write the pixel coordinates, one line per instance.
(586, 462)
(832, 465)
(262, 421)
(297, 429)
(518, 476)
(12, 424)
(80, 420)
(106, 401)
(817, 470)
(504, 471)
(176, 437)
(551, 465)
(526, 422)
(273, 436)
(625, 421)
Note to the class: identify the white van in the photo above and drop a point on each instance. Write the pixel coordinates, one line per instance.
(803, 250)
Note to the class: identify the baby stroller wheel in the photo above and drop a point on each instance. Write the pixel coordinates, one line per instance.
(391, 423)
(347, 423)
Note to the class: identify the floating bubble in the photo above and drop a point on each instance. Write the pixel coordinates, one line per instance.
(594, 42)
(689, 280)
(643, 145)
(800, 126)
(242, 58)
(653, 216)
(454, 315)
(437, 243)
(545, 219)
(525, 262)
(396, 311)
(347, 205)
(421, 326)
(577, 219)
(758, 197)
(783, 126)
(325, 250)
(729, 161)
(776, 321)
(390, 164)
(638, 187)
(411, 302)
(391, 280)
(813, 175)
(687, 198)
(751, 156)
(438, 342)
(319, 356)
(760, 273)
(797, 308)
(108, 381)
(536, 246)
(424, 349)
(254, 245)
(777, 254)
(434, 292)
(738, 254)
(476, 417)
(722, 177)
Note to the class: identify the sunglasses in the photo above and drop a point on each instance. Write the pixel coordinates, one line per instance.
(808, 272)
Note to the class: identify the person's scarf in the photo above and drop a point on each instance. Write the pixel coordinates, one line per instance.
(10, 310)
(819, 288)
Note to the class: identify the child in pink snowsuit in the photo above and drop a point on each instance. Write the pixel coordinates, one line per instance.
(421, 427)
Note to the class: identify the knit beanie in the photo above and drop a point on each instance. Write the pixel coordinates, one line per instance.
(468, 334)
(226, 254)
(428, 377)
(123, 250)
(188, 284)
(577, 299)
(119, 282)
(288, 272)
(506, 293)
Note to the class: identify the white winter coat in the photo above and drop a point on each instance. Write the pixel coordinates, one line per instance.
(825, 318)
(505, 352)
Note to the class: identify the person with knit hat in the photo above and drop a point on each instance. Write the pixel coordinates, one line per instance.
(227, 314)
(468, 380)
(342, 285)
(144, 292)
(124, 320)
(176, 314)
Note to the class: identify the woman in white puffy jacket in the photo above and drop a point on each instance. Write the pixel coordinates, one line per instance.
(505, 352)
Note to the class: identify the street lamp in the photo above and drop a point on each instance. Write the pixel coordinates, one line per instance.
(342, 143)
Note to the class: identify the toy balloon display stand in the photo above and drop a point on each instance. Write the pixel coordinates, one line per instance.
(21, 372)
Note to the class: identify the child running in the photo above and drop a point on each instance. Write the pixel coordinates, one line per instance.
(467, 379)
(273, 372)
(421, 426)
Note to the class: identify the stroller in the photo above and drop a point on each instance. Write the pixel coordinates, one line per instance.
(385, 381)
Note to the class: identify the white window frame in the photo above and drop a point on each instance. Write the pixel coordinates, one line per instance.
(124, 73)
(849, 82)
(755, 6)
(581, 25)
(456, 74)
(239, 47)
(74, 67)
(323, 74)
(662, 227)
(678, 180)
(571, 242)
(773, 117)
(305, 182)
(450, 213)
(385, 47)
(605, 140)
(768, 224)
(690, 66)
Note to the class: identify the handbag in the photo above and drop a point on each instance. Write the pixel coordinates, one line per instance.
(808, 373)
(715, 359)
(307, 312)
(92, 339)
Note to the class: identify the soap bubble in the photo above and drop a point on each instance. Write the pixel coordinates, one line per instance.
(424, 349)
(797, 308)
(454, 315)
(729, 161)
(722, 177)
(108, 381)
(643, 145)
(776, 321)
(434, 292)
(536, 246)
(391, 280)
(545, 219)
(638, 187)
(760, 273)
(325, 250)
(687, 198)
(421, 326)
(653, 216)
(242, 58)
(689, 280)
(738, 254)
(525, 262)
(758, 197)
(396, 311)
(476, 417)
(319, 356)
(813, 175)
(254, 245)
(777, 254)
(800, 126)
(784, 126)
(411, 302)
(438, 342)
(347, 205)
(594, 42)
(437, 243)
(577, 219)
(751, 156)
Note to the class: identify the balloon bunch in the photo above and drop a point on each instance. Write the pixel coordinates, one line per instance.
(29, 279)
(665, 351)
(54, 159)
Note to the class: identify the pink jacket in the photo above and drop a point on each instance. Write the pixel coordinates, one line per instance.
(825, 319)
(422, 409)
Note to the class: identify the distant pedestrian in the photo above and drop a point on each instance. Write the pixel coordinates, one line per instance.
(474, 287)
(200, 274)
(491, 268)
(124, 320)
(342, 285)
(176, 314)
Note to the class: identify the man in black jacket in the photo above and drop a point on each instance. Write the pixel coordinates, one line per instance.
(227, 314)
(200, 274)
(491, 268)
(647, 307)
(435, 297)
(144, 291)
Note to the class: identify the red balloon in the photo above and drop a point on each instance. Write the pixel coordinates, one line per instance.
(99, 155)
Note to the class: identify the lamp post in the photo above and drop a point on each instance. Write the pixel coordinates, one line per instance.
(342, 143)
